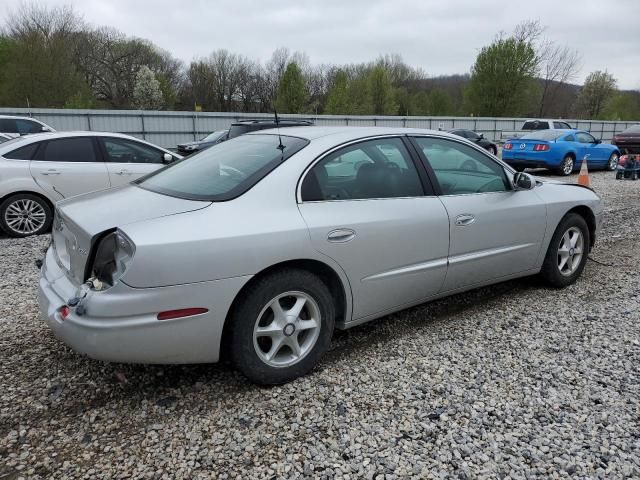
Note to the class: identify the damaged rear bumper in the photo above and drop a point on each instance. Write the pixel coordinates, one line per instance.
(121, 325)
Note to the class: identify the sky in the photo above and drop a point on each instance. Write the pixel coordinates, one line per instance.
(443, 37)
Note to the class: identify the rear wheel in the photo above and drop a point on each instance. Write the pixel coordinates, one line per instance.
(25, 214)
(492, 150)
(282, 327)
(566, 167)
(613, 161)
(567, 252)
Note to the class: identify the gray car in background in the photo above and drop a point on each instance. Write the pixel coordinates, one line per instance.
(259, 247)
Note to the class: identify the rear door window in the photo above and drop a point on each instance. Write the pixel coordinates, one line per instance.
(78, 149)
(127, 151)
(380, 168)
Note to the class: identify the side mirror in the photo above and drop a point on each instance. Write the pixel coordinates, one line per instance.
(46, 129)
(167, 158)
(482, 136)
(598, 141)
(523, 181)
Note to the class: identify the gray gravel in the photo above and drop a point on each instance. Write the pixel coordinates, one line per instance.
(512, 381)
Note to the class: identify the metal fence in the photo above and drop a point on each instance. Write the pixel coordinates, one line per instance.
(170, 128)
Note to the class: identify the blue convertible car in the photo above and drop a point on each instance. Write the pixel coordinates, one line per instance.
(559, 150)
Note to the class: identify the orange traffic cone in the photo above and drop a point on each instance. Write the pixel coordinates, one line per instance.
(583, 178)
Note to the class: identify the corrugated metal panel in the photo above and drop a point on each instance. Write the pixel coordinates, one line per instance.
(169, 128)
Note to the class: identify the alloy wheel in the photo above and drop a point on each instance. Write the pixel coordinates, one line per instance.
(567, 166)
(613, 161)
(570, 251)
(286, 329)
(25, 216)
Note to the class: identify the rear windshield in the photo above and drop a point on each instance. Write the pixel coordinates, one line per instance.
(224, 171)
(237, 130)
(535, 125)
(212, 137)
(543, 135)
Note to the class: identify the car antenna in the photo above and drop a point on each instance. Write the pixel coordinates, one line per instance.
(281, 147)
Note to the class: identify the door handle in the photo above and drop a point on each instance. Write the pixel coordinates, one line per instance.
(341, 235)
(50, 172)
(465, 219)
(123, 172)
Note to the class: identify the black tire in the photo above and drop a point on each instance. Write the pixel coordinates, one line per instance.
(45, 225)
(550, 272)
(245, 315)
(519, 169)
(492, 150)
(612, 164)
(619, 175)
(563, 169)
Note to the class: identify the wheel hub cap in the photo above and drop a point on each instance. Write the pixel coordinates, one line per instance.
(25, 216)
(287, 329)
(570, 251)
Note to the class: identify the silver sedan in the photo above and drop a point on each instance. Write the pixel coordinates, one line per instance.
(258, 248)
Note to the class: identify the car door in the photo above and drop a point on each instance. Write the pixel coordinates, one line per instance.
(367, 208)
(495, 231)
(69, 166)
(127, 160)
(590, 149)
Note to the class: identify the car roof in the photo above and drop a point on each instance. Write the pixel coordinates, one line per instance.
(36, 137)
(21, 118)
(313, 132)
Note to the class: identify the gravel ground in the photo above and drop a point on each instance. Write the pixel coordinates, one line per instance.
(511, 381)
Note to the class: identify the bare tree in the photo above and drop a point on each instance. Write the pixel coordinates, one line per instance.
(560, 65)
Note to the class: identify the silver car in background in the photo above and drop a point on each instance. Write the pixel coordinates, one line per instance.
(260, 246)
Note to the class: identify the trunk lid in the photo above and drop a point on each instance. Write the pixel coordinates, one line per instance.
(81, 219)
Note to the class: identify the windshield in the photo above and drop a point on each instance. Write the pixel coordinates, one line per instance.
(224, 171)
(212, 137)
(543, 135)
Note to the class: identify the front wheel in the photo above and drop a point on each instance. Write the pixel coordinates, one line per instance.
(567, 252)
(24, 214)
(492, 150)
(282, 327)
(566, 167)
(613, 162)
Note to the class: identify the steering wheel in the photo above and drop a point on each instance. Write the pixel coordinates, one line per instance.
(233, 172)
(469, 165)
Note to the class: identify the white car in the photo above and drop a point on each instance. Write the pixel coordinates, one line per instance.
(17, 126)
(38, 170)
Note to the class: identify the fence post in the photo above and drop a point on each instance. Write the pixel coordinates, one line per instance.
(144, 133)
(89, 122)
(193, 125)
(495, 129)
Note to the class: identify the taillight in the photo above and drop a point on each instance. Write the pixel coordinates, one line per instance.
(64, 312)
(507, 146)
(183, 312)
(540, 147)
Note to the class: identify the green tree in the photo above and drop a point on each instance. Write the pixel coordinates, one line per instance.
(597, 90)
(147, 94)
(382, 94)
(623, 106)
(502, 77)
(338, 101)
(292, 94)
(360, 96)
(440, 103)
